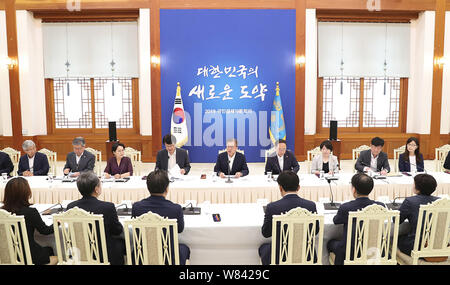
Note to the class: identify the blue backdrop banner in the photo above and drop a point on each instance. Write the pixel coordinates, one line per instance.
(228, 63)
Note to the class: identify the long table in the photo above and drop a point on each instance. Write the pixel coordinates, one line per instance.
(243, 190)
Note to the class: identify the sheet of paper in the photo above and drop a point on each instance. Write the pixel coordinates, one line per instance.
(175, 171)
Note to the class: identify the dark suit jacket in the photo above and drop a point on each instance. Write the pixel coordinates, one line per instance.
(365, 158)
(182, 159)
(447, 161)
(405, 166)
(342, 218)
(239, 164)
(289, 163)
(40, 255)
(86, 163)
(159, 205)
(6, 165)
(282, 206)
(410, 210)
(115, 245)
(40, 166)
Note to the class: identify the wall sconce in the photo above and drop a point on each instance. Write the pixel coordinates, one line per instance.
(10, 63)
(300, 60)
(155, 60)
(440, 61)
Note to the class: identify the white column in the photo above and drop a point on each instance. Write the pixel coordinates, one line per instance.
(31, 74)
(311, 72)
(145, 106)
(5, 103)
(421, 76)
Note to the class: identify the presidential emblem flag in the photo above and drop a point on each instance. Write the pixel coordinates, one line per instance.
(277, 128)
(178, 127)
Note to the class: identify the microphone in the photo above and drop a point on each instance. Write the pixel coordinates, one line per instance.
(191, 210)
(394, 205)
(49, 211)
(123, 212)
(123, 204)
(229, 173)
(331, 205)
(424, 170)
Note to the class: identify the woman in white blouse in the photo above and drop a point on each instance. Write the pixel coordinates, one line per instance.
(325, 161)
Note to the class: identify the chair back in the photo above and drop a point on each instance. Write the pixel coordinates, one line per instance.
(268, 153)
(310, 154)
(14, 246)
(15, 157)
(82, 236)
(98, 159)
(432, 234)
(440, 155)
(371, 242)
(356, 152)
(154, 240)
(52, 158)
(294, 238)
(136, 159)
(397, 153)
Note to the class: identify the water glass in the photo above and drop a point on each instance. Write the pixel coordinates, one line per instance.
(269, 175)
(5, 176)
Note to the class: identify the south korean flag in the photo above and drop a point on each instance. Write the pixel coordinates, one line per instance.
(178, 127)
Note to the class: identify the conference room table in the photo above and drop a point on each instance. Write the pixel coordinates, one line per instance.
(233, 241)
(246, 189)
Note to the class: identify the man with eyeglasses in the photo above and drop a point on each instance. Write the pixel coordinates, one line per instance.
(231, 162)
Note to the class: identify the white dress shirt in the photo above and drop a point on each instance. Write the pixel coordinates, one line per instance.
(231, 160)
(281, 161)
(413, 163)
(31, 162)
(172, 159)
(78, 157)
(373, 162)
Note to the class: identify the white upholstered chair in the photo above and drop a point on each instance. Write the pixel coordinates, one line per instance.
(52, 158)
(268, 153)
(154, 240)
(356, 152)
(375, 240)
(432, 235)
(136, 159)
(81, 234)
(15, 157)
(14, 246)
(310, 154)
(297, 241)
(98, 160)
(440, 155)
(397, 153)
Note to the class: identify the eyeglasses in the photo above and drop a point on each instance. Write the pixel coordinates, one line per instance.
(412, 145)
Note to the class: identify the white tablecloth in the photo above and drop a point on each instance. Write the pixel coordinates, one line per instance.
(243, 190)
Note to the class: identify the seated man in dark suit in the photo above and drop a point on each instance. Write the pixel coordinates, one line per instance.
(362, 185)
(79, 160)
(281, 159)
(424, 185)
(373, 159)
(90, 188)
(447, 162)
(32, 163)
(231, 162)
(158, 185)
(288, 183)
(172, 155)
(6, 165)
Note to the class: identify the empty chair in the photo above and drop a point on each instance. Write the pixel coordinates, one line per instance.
(98, 159)
(52, 158)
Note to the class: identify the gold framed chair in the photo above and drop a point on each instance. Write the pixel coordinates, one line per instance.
(98, 160)
(14, 246)
(432, 235)
(154, 240)
(310, 154)
(440, 155)
(15, 157)
(372, 241)
(297, 241)
(136, 159)
(52, 158)
(397, 153)
(356, 152)
(76, 230)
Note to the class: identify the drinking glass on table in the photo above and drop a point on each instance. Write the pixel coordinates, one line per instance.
(5, 176)
(269, 175)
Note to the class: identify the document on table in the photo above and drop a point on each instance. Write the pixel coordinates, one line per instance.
(174, 172)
